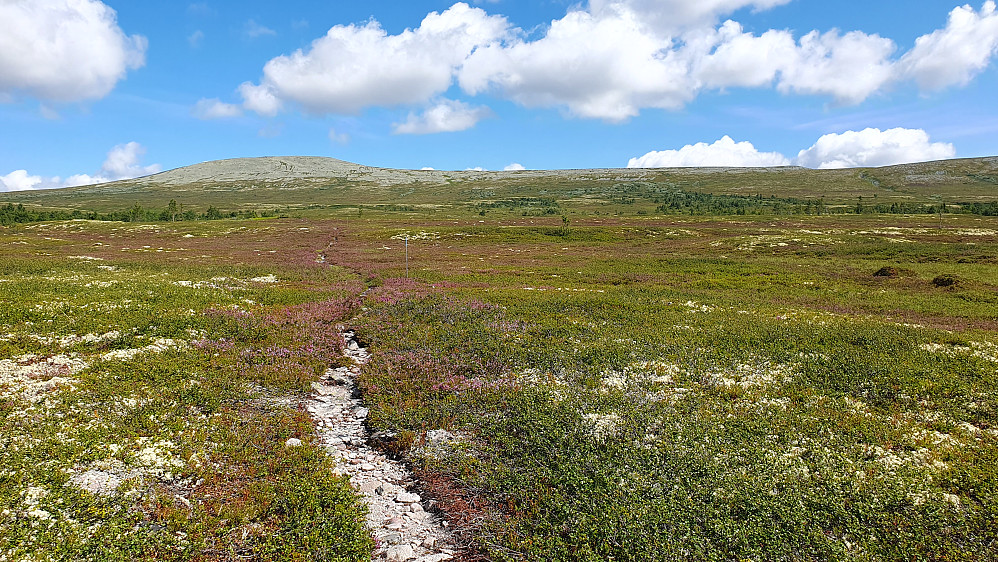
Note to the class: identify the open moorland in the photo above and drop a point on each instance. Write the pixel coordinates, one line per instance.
(763, 364)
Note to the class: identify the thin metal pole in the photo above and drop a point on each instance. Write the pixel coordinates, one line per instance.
(407, 255)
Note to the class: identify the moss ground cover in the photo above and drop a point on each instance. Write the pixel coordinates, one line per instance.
(628, 388)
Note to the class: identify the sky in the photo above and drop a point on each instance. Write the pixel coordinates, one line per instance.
(94, 91)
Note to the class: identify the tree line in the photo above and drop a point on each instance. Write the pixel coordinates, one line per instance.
(697, 203)
(11, 214)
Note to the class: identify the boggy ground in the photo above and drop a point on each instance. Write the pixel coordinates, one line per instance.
(628, 388)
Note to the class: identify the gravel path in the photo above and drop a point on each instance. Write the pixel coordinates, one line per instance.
(403, 529)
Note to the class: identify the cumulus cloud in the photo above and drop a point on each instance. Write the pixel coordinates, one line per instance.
(609, 63)
(122, 162)
(514, 167)
(598, 67)
(848, 67)
(215, 109)
(611, 59)
(353, 67)
(954, 55)
(64, 50)
(733, 58)
(445, 117)
(19, 180)
(260, 99)
(851, 149)
(873, 147)
(724, 152)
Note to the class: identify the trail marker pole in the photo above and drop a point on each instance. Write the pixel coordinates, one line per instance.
(407, 256)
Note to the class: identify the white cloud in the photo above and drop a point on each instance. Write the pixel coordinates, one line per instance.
(64, 50)
(733, 58)
(77, 179)
(254, 30)
(475, 169)
(122, 162)
(724, 153)
(427, 168)
(848, 67)
(609, 63)
(215, 109)
(851, 149)
(611, 59)
(19, 180)
(447, 116)
(260, 99)
(955, 55)
(514, 167)
(873, 147)
(598, 67)
(353, 67)
(338, 138)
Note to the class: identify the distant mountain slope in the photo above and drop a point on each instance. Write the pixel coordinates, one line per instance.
(296, 181)
(253, 169)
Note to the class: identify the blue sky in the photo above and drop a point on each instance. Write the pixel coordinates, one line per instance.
(94, 91)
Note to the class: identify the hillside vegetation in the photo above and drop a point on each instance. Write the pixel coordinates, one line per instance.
(301, 183)
(585, 365)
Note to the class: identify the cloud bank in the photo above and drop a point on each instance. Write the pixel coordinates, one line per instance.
(611, 59)
(873, 147)
(725, 152)
(851, 149)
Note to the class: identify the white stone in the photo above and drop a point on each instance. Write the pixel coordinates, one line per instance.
(400, 553)
(406, 497)
(293, 442)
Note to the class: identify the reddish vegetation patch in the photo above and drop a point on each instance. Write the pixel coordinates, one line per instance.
(463, 510)
(395, 289)
(288, 243)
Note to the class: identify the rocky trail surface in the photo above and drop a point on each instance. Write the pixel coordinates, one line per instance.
(397, 517)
